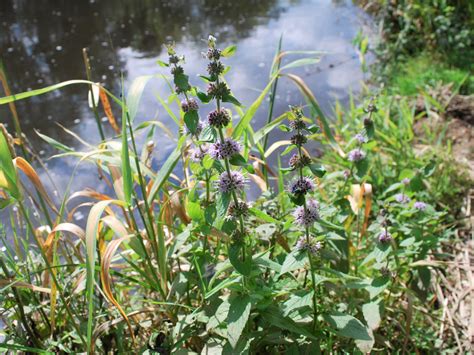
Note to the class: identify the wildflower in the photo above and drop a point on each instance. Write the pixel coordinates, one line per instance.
(360, 138)
(218, 90)
(234, 181)
(313, 246)
(215, 69)
(307, 216)
(213, 54)
(189, 105)
(402, 198)
(301, 186)
(297, 124)
(298, 162)
(239, 209)
(421, 206)
(406, 181)
(174, 59)
(198, 153)
(384, 237)
(224, 150)
(356, 155)
(219, 118)
(177, 70)
(298, 139)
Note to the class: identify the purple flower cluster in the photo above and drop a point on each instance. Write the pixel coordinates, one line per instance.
(224, 150)
(189, 105)
(406, 181)
(297, 124)
(218, 118)
(356, 155)
(360, 138)
(306, 216)
(233, 182)
(298, 162)
(384, 237)
(402, 198)
(420, 206)
(198, 153)
(301, 186)
(312, 247)
(239, 209)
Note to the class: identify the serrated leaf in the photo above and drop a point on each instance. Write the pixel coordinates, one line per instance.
(348, 326)
(317, 169)
(238, 160)
(203, 97)
(243, 267)
(239, 312)
(191, 119)
(294, 261)
(298, 300)
(231, 99)
(181, 81)
(372, 314)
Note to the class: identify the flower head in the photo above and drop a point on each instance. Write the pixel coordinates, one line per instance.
(402, 198)
(421, 206)
(224, 150)
(406, 181)
(189, 105)
(298, 139)
(301, 186)
(307, 216)
(356, 155)
(239, 209)
(213, 54)
(198, 153)
(218, 90)
(360, 138)
(219, 118)
(297, 124)
(234, 181)
(313, 246)
(215, 69)
(384, 237)
(346, 174)
(298, 162)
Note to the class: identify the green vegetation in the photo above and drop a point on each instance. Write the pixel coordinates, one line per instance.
(338, 253)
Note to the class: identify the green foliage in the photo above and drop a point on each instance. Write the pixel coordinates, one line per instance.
(171, 261)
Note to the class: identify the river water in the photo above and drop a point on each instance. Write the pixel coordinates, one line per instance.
(41, 44)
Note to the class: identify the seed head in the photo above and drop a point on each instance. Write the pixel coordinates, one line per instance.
(198, 153)
(239, 209)
(218, 90)
(297, 124)
(177, 70)
(213, 54)
(215, 69)
(224, 150)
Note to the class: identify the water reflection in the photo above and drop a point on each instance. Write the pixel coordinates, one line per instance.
(41, 45)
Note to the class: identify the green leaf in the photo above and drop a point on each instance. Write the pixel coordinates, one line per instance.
(229, 51)
(194, 211)
(231, 99)
(273, 316)
(166, 170)
(348, 326)
(162, 64)
(238, 160)
(294, 261)
(377, 286)
(191, 119)
(54, 143)
(239, 312)
(126, 168)
(263, 216)
(301, 62)
(299, 299)
(203, 97)
(372, 314)
(181, 81)
(134, 95)
(317, 169)
(362, 167)
(8, 176)
(243, 267)
(222, 204)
